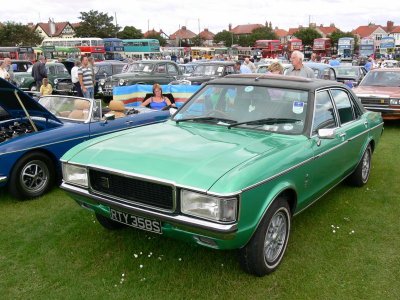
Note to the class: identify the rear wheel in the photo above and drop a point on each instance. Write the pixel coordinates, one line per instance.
(360, 175)
(108, 223)
(264, 252)
(32, 176)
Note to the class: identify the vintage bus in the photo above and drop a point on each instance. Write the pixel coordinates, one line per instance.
(23, 53)
(58, 52)
(269, 48)
(202, 52)
(295, 44)
(322, 46)
(367, 47)
(175, 51)
(387, 45)
(346, 47)
(114, 49)
(90, 46)
(141, 48)
(240, 53)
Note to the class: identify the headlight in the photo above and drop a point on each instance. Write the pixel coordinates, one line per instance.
(394, 101)
(209, 207)
(75, 174)
(55, 81)
(121, 81)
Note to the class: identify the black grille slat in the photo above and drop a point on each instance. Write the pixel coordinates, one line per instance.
(132, 189)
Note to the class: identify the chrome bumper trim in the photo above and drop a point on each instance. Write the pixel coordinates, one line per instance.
(177, 219)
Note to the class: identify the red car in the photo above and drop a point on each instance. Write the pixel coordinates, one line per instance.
(380, 91)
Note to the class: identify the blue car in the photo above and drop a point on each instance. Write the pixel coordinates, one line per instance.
(34, 135)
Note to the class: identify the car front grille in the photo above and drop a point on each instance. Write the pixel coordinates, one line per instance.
(132, 190)
(375, 101)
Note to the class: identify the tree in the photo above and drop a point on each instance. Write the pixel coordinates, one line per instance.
(262, 33)
(95, 24)
(130, 32)
(307, 35)
(226, 37)
(158, 37)
(198, 41)
(16, 34)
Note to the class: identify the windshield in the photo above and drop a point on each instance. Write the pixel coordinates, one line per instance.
(342, 71)
(67, 107)
(140, 67)
(263, 108)
(103, 70)
(208, 70)
(382, 78)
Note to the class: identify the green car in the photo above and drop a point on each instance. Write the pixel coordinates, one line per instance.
(55, 72)
(232, 166)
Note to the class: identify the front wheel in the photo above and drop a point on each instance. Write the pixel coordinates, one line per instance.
(32, 176)
(264, 252)
(360, 175)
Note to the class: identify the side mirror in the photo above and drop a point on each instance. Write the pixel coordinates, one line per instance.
(327, 133)
(109, 116)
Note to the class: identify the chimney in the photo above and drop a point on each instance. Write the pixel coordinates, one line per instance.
(389, 26)
(332, 25)
(205, 29)
(230, 27)
(183, 27)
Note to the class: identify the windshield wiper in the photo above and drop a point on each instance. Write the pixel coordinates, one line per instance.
(265, 121)
(204, 119)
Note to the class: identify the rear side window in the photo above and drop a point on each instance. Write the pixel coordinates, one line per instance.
(344, 106)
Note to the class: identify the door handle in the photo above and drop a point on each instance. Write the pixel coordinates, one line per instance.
(342, 135)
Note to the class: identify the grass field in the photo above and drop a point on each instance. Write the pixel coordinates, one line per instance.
(52, 249)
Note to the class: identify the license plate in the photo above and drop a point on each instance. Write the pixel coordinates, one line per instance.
(136, 221)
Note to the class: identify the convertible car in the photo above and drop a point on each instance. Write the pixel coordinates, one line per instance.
(232, 166)
(33, 136)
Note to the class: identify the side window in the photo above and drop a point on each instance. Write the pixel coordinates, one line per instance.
(324, 116)
(161, 69)
(343, 105)
(172, 69)
(229, 70)
(52, 70)
(332, 75)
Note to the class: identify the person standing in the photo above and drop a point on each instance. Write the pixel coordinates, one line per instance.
(39, 71)
(3, 71)
(241, 69)
(75, 78)
(334, 62)
(46, 88)
(9, 68)
(249, 64)
(85, 78)
(298, 68)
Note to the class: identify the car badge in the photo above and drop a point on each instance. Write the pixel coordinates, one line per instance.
(104, 182)
(382, 101)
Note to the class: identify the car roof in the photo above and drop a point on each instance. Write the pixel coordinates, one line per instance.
(317, 65)
(284, 81)
(215, 62)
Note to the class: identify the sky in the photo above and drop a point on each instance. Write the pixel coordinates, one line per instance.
(212, 14)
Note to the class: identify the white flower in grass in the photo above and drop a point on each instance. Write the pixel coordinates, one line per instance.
(141, 266)
(135, 255)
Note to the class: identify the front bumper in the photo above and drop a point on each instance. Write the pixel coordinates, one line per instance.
(223, 236)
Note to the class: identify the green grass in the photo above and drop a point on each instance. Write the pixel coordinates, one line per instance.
(52, 249)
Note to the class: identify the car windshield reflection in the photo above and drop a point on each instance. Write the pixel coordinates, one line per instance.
(382, 78)
(141, 67)
(283, 110)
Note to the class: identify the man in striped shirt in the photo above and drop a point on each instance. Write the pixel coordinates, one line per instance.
(85, 78)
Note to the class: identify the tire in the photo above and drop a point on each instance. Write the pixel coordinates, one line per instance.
(264, 252)
(32, 176)
(108, 223)
(360, 175)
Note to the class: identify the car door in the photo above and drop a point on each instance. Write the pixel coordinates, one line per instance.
(352, 128)
(173, 72)
(325, 169)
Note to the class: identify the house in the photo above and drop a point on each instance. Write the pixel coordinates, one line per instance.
(55, 29)
(282, 35)
(244, 30)
(374, 31)
(207, 37)
(181, 37)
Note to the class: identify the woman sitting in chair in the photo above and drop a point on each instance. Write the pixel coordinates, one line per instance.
(158, 101)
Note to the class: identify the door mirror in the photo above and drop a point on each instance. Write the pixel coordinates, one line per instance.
(327, 133)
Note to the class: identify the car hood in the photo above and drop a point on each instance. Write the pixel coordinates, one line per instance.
(193, 155)
(10, 103)
(376, 91)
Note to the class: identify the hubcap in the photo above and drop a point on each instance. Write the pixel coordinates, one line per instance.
(275, 237)
(365, 166)
(34, 176)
